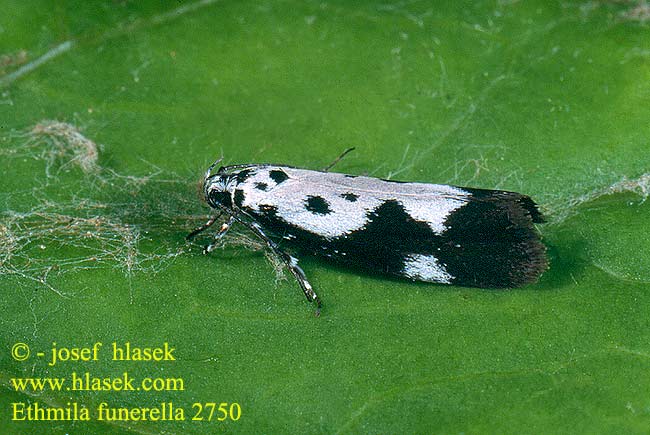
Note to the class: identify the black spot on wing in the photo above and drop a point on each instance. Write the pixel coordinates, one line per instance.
(379, 247)
(383, 242)
(317, 205)
(261, 186)
(243, 175)
(348, 196)
(239, 197)
(278, 175)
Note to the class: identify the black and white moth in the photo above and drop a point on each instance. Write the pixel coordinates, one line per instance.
(417, 231)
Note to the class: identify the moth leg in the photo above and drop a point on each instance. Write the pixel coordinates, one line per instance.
(222, 232)
(292, 264)
(299, 274)
(338, 159)
(203, 227)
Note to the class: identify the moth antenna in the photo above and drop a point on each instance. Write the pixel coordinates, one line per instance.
(207, 173)
(338, 159)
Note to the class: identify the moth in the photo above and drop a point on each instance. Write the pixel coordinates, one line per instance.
(417, 231)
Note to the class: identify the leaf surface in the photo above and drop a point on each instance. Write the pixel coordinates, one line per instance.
(111, 111)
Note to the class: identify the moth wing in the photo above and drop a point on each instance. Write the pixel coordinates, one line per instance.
(430, 232)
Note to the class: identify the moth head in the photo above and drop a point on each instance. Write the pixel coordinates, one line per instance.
(218, 188)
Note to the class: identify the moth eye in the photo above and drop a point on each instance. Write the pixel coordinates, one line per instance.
(219, 197)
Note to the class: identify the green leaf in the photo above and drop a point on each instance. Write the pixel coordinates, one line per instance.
(111, 111)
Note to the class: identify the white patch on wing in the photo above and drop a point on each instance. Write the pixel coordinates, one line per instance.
(425, 268)
(430, 203)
